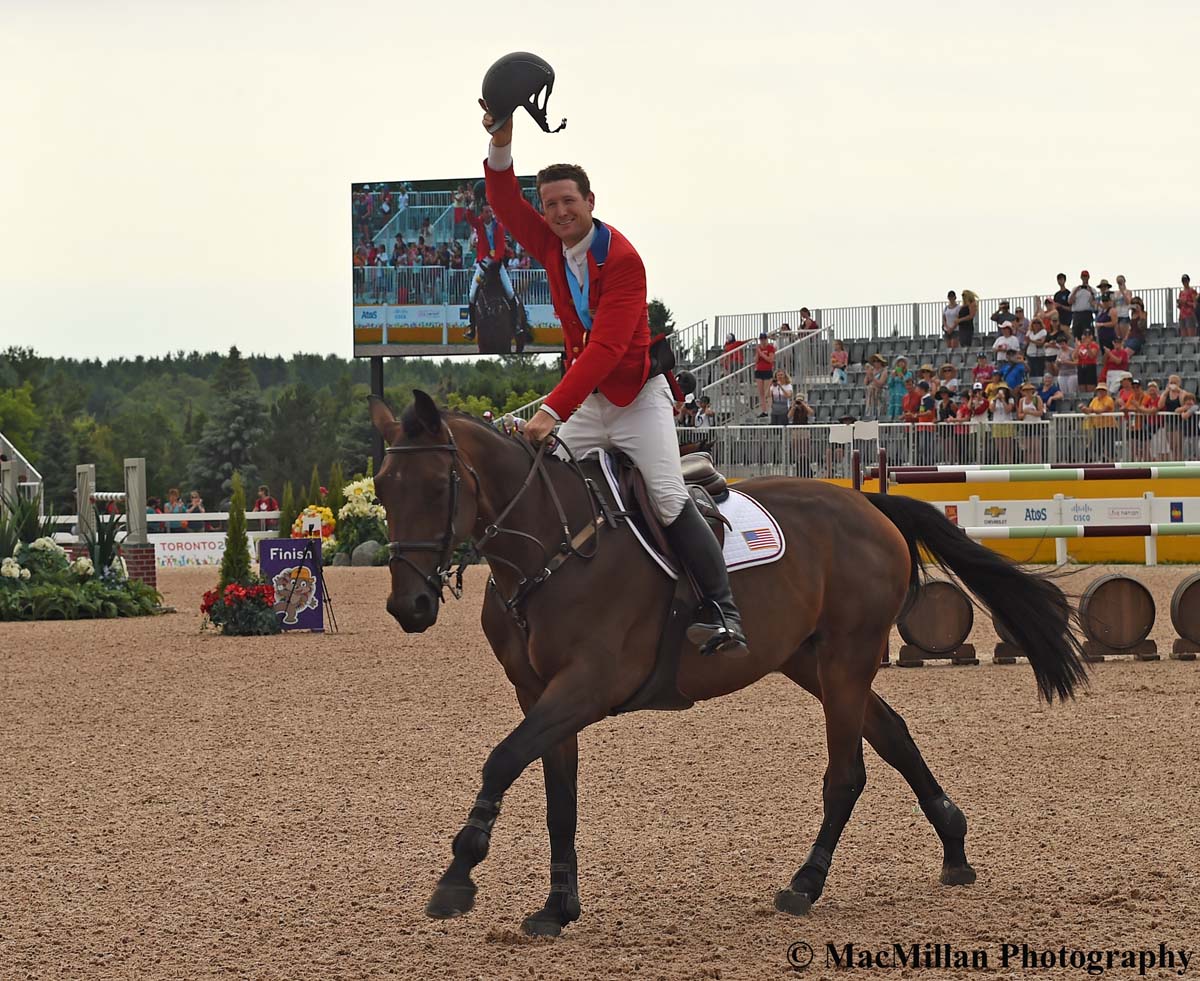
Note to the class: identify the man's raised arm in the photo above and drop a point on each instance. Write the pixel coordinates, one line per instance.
(505, 197)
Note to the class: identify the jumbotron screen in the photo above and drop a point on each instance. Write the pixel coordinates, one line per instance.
(435, 273)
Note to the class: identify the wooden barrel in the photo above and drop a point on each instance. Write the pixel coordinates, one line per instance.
(1185, 609)
(1117, 612)
(940, 619)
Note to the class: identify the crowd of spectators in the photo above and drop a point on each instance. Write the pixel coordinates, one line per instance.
(174, 504)
(422, 248)
(1081, 340)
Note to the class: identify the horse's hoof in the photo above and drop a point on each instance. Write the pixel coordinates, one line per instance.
(541, 924)
(795, 903)
(957, 875)
(451, 900)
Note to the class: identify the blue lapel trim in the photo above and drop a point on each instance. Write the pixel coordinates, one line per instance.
(600, 243)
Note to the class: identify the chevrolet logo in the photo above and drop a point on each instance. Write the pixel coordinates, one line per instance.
(995, 512)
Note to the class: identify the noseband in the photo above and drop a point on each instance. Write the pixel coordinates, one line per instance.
(439, 579)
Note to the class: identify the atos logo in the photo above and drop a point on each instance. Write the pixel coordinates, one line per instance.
(1035, 514)
(368, 314)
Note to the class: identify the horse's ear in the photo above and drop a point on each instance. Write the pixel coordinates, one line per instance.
(427, 412)
(382, 417)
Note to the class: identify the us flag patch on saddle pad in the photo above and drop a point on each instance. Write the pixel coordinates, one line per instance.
(759, 539)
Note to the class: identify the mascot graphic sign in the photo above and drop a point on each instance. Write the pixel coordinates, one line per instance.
(293, 567)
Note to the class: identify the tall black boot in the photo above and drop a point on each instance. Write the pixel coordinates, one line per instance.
(469, 334)
(718, 625)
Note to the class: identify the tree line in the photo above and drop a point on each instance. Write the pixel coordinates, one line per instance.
(198, 417)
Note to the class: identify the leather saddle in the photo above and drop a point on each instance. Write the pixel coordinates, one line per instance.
(704, 482)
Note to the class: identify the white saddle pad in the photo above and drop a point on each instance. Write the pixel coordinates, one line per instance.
(754, 539)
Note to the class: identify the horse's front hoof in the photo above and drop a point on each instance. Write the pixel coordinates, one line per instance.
(793, 903)
(450, 900)
(957, 875)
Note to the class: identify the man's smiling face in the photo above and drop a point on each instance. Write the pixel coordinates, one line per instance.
(567, 211)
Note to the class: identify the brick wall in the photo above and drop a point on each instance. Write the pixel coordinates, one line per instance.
(139, 561)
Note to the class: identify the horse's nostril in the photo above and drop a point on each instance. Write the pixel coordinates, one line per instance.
(423, 605)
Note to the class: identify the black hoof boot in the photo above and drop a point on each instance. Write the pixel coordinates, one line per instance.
(793, 903)
(551, 918)
(806, 885)
(957, 875)
(451, 899)
(562, 905)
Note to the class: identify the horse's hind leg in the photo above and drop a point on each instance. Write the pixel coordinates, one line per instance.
(845, 676)
(888, 735)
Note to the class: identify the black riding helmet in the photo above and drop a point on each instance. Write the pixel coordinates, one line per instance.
(514, 81)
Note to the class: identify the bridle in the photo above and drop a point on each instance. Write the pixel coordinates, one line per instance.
(440, 579)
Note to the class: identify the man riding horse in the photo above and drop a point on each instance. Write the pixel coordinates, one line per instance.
(490, 251)
(608, 398)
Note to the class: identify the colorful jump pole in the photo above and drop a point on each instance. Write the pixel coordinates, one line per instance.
(1011, 476)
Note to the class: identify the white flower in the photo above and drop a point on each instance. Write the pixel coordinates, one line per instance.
(82, 566)
(9, 569)
(24, 573)
(119, 568)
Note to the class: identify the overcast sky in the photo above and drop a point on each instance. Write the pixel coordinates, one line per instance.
(176, 175)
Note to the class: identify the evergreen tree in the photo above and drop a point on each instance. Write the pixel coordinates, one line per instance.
(235, 566)
(662, 320)
(314, 488)
(56, 461)
(287, 511)
(228, 443)
(335, 498)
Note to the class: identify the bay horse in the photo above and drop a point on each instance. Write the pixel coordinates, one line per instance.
(499, 321)
(575, 619)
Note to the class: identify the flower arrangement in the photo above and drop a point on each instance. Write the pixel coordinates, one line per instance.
(328, 522)
(241, 611)
(38, 582)
(362, 518)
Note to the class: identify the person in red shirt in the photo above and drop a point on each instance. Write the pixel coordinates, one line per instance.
(1087, 354)
(764, 371)
(265, 502)
(911, 403)
(1116, 358)
(607, 398)
(733, 357)
(1187, 308)
(983, 371)
(490, 250)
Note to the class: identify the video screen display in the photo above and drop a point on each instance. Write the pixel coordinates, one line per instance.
(434, 273)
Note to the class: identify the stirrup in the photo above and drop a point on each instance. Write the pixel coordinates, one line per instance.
(713, 639)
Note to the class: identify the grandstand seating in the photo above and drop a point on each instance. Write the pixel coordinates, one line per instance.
(1165, 353)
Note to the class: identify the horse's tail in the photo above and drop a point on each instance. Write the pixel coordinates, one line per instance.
(1031, 608)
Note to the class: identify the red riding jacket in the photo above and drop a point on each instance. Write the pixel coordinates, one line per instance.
(614, 355)
(483, 251)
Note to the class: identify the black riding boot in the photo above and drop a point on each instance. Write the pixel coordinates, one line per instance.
(718, 625)
(469, 334)
(523, 321)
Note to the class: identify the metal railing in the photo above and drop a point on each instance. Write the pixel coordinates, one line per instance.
(728, 379)
(818, 450)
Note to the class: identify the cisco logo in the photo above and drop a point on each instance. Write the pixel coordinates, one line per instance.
(1035, 514)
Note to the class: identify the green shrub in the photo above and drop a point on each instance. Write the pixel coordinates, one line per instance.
(235, 566)
(287, 511)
